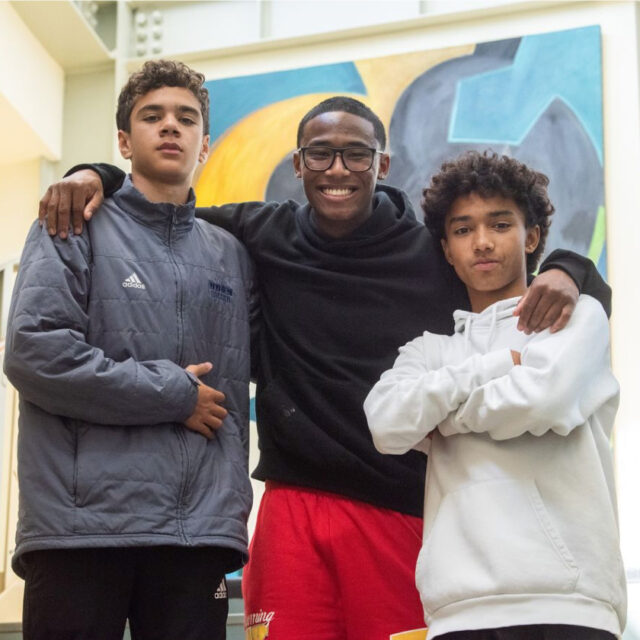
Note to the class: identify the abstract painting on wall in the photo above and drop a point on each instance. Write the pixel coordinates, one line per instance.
(537, 98)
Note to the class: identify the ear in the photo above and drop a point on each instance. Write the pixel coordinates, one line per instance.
(532, 239)
(124, 144)
(447, 253)
(297, 160)
(204, 150)
(383, 168)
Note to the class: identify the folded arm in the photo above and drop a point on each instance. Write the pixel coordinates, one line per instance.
(563, 379)
(413, 397)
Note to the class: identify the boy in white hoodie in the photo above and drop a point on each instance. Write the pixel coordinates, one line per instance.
(520, 524)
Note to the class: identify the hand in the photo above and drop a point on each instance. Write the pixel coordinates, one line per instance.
(548, 302)
(208, 415)
(515, 356)
(76, 197)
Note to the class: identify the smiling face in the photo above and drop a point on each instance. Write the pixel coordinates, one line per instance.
(165, 141)
(486, 241)
(341, 199)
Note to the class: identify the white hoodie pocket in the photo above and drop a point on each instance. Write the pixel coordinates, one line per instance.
(493, 538)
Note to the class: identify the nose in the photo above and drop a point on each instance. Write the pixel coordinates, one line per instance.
(482, 240)
(337, 166)
(170, 124)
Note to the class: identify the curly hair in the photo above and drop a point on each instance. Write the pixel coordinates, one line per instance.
(154, 75)
(348, 105)
(489, 174)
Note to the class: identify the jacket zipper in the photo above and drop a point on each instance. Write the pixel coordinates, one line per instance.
(180, 288)
(178, 428)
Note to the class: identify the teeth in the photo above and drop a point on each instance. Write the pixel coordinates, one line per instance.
(337, 192)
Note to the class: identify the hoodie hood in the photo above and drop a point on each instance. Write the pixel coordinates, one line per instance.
(480, 329)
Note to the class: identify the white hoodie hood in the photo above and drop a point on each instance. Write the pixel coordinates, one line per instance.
(480, 329)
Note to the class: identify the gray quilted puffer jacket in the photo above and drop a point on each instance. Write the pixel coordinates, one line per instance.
(101, 327)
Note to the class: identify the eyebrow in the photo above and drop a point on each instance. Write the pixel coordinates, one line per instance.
(499, 213)
(159, 107)
(326, 143)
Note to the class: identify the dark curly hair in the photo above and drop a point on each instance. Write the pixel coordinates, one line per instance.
(154, 75)
(348, 105)
(489, 174)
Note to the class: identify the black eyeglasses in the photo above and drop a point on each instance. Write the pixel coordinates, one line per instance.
(355, 159)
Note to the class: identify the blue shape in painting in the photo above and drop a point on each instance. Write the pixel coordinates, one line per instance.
(252, 409)
(602, 262)
(502, 106)
(234, 98)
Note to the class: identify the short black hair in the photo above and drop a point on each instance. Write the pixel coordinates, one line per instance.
(347, 105)
(489, 174)
(156, 74)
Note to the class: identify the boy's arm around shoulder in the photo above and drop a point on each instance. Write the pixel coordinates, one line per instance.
(74, 199)
(232, 217)
(563, 379)
(50, 362)
(242, 219)
(429, 379)
(583, 272)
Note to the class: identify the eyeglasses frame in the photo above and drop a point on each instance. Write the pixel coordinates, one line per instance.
(336, 151)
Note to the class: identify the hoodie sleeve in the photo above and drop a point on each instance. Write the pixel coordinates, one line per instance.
(232, 217)
(583, 272)
(413, 397)
(111, 176)
(563, 379)
(50, 362)
(236, 218)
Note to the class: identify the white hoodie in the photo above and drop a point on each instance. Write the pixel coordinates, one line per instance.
(520, 520)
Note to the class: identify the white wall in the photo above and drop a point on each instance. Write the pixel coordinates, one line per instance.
(31, 99)
(88, 125)
(290, 19)
(193, 27)
(32, 83)
(19, 194)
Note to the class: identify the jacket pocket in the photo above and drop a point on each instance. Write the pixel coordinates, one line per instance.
(77, 429)
(493, 538)
(127, 479)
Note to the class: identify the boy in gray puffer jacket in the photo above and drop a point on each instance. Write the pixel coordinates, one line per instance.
(132, 463)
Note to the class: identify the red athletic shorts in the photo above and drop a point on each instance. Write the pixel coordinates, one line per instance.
(324, 567)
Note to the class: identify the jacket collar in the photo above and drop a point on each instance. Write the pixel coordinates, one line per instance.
(162, 217)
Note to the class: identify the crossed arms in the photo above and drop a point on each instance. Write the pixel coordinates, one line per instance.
(563, 379)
